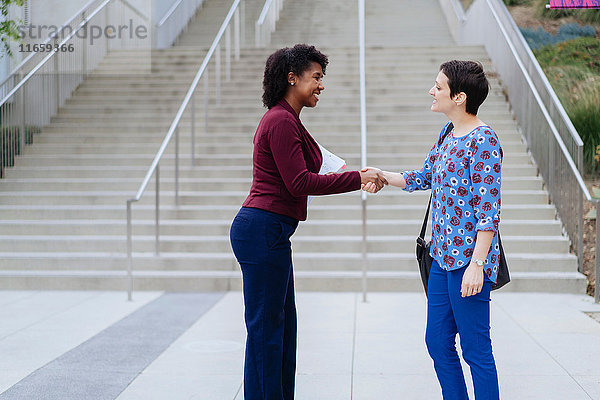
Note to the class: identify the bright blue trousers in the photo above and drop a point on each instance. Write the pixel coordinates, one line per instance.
(448, 314)
(261, 243)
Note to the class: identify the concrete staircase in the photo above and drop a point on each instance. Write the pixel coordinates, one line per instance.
(62, 208)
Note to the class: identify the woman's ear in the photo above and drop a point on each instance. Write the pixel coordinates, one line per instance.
(291, 78)
(460, 98)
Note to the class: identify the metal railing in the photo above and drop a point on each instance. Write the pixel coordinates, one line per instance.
(175, 21)
(548, 131)
(267, 21)
(188, 102)
(363, 138)
(38, 92)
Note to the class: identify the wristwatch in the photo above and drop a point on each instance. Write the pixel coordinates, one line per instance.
(478, 262)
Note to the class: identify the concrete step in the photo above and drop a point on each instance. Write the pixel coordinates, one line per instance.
(510, 159)
(236, 145)
(235, 197)
(556, 282)
(222, 211)
(185, 184)
(417, 141)
(205, 243)
(137, 172)
(169, 111)
(190, 227)
(303, 261)
(334, 100)
(249, 127)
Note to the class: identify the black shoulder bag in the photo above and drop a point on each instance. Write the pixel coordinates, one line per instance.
(425, 260)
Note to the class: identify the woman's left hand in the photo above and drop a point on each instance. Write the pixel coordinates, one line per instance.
(472, 282)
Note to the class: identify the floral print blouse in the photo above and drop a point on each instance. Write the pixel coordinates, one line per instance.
(464, 175)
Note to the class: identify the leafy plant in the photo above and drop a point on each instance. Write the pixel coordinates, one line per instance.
(582, 52)
(9, 28)
(516, 2)
(573, 69)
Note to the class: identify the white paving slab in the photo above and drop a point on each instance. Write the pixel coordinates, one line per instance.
(38, 327)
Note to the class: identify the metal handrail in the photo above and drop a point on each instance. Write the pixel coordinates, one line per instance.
(169, 13)
(175, 21)
(574, 167)
(270, 10)
(215, 49)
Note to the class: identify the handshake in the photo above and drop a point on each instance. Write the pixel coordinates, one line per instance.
(372, 180)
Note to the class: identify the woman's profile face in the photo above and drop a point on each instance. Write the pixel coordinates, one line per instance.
(441, 94)
(309, 85)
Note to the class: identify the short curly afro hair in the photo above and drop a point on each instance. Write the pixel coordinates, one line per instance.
(295, 59)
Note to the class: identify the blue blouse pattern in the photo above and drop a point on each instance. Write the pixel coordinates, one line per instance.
(464, 175)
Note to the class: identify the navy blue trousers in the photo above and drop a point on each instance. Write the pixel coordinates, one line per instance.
(261, 243)
(448, 314)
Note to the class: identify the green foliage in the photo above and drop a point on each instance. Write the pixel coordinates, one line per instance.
(516, 2)
(9, 28)
(582, 52)
(573, 69)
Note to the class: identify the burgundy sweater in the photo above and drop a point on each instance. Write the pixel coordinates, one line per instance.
(286, 162)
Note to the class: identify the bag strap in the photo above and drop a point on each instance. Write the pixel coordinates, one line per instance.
(426, 219)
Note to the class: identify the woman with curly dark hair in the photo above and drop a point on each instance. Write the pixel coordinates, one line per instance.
(286, 162)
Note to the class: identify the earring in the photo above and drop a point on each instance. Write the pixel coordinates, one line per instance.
(292, 83)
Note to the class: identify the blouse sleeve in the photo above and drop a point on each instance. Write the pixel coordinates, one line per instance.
(286, 147)
(485, 171)
(420, 179)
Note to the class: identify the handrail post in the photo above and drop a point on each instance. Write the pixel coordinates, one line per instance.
(243, 18)
(56, 74)
(84, 47)
(106, 20)
(597, 273)
(205, 78)
(193, 105)
(580, 216)
(363, 138)
(157, 213)
(218, 73)
(228, 53)
(22, 119)
(581, 227)
(177, 166)
(129, 254)
(236, 33)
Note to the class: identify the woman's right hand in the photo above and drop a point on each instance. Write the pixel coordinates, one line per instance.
(373, 179)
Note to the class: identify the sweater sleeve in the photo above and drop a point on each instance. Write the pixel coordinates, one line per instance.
(485, 170)
(286, 146)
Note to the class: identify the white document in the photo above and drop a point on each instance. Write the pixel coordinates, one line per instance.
(331, 163)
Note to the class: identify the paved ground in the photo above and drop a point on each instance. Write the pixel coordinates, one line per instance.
(97, 345)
